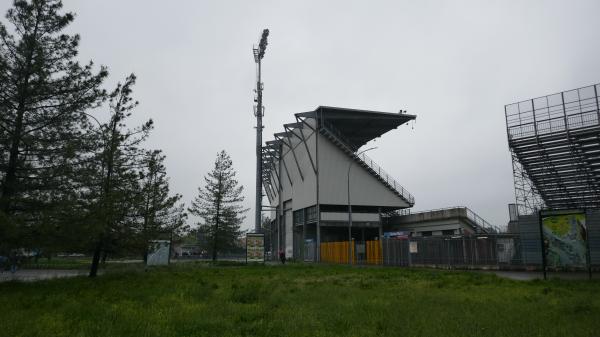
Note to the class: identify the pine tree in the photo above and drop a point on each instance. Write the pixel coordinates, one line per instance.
(44, 93)
(218, 203)
(115, 195)
(158, 208)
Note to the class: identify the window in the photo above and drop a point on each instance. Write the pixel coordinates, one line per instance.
(299, 217)
(311, 214)
(448, 232)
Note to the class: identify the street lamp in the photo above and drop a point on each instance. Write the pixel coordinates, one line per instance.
(350, 206)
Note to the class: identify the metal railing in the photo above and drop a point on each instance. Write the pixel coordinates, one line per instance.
(568, 110)
(386, 177)
(469, 214)
(367, 161)
(481, 221)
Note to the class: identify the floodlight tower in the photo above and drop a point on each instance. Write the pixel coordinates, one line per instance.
(259, 53)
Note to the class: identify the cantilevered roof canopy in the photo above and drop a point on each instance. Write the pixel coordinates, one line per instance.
(357, 127)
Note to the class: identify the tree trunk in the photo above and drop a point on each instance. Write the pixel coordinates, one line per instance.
(216, 234)
(214, 248)
(96, 260)
(104, 257)
(11, 168)
(106, 190)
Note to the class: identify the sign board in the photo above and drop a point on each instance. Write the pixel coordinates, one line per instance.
(158, 252)
(564, 236)
(255, 247)
(413, 247)
(396, 235)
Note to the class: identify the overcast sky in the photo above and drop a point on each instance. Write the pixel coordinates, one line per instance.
(454, 64)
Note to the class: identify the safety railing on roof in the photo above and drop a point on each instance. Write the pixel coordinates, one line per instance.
(386, 177)
(368, 162)
(474, 217)
(479, 221)
(568, 110)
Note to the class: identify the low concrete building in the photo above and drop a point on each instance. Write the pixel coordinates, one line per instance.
(457, 220)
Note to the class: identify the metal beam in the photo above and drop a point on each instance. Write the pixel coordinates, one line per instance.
(294, 152)
(303, 121)
(286, 171)
(312, 163)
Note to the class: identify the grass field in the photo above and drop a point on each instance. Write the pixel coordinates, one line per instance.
(298, 300)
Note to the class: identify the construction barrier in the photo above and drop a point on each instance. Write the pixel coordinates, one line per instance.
(369, 252)
(336, 252)
(374, 252)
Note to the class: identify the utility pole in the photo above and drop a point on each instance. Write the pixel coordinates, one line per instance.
(259, 53)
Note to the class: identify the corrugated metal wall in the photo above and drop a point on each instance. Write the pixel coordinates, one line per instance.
(529, 232)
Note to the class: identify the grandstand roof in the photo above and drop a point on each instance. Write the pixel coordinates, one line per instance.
(357, 127)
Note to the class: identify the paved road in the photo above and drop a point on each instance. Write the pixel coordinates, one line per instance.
(38, 274)
(533, 275)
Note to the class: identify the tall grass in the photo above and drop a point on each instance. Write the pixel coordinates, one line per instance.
(298, 300)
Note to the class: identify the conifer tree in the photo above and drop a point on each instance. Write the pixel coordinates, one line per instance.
(218, 204)
(115, 196)
(44, 93)
(158, 209)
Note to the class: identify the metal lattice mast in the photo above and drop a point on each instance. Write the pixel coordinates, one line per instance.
(259, 53)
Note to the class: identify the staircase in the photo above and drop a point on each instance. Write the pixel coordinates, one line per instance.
(368, 164)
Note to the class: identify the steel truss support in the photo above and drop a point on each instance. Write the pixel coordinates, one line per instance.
(289, 131)
(285, 138)
(554, 142)
(303, 122)
(527, 198)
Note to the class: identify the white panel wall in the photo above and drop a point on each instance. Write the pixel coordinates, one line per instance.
(337, 216)
(302, 192)
(289, 235)
(365, 189)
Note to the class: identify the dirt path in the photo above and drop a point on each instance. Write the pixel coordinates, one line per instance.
(39, 274)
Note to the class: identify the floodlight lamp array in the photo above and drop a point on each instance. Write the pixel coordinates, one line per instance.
(262, 46)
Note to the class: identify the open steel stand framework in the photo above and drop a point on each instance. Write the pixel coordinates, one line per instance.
(554, 142)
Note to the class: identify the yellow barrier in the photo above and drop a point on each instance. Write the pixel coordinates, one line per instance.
(337, 252)
(374, 252)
